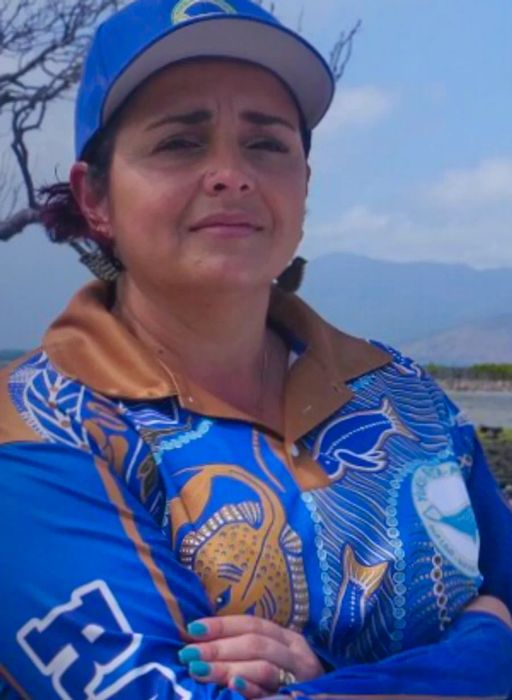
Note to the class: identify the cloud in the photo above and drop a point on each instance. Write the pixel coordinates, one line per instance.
(360, 219)
(359, 107)
(490, 182)
(415, 235)
(463, 217)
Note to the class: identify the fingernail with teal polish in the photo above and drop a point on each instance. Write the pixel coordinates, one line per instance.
(196, 629)
(199, 668)
(189, 654)
(240, 684)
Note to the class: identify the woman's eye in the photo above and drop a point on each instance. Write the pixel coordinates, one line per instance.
(271, 145)
(179, 144)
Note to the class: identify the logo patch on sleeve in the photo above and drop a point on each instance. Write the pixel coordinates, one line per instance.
(78, 645)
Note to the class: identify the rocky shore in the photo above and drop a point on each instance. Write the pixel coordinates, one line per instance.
(498, 448)
(496, 441)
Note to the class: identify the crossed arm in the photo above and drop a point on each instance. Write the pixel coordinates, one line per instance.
(246, 653)
(102, 612)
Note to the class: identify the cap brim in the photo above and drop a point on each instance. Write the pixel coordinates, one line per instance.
(273, 47)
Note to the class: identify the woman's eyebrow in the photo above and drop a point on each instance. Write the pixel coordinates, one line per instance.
(263, 119)
(200, 116)
(189, 118)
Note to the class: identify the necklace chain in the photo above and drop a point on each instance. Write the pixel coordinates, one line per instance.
(161, 350)
(263, 377)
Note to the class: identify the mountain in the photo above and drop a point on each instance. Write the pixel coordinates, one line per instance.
(402, 302)
(473, 343)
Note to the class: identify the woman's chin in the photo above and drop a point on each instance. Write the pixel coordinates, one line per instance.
(206, 275)
(230, 275)
(231, 281)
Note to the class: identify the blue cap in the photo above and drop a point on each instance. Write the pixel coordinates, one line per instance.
(148, 35)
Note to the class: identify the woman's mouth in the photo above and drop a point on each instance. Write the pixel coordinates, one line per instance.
(227, 225)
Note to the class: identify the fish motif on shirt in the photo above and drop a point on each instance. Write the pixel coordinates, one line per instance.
(356, 441)
(248, 557)
(358, 585)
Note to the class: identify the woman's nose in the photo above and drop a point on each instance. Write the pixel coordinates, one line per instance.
(228, 177)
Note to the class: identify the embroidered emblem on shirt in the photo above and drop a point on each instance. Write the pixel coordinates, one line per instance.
(442, 501)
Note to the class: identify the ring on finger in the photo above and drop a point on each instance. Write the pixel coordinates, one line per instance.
(286, 677)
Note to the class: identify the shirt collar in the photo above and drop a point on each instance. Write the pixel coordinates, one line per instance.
(89, 344)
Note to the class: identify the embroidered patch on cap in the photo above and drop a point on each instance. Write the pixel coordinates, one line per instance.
(189, 9)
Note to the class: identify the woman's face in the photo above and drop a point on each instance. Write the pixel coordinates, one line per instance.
(208, 180)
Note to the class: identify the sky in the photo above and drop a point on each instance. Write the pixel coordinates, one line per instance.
(413, 161)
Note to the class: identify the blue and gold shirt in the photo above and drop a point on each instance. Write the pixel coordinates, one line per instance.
(133, 502)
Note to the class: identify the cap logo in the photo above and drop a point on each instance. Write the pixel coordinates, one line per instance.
(190, 9)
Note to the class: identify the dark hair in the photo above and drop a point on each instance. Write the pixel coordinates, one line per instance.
(59, 210)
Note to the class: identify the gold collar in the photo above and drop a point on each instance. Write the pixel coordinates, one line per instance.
(89, 344)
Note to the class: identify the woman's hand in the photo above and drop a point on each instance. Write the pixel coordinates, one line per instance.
(248, 654)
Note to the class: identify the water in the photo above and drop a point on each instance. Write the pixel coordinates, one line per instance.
(493, 408)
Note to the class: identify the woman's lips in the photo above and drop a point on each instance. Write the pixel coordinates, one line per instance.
(227, 225)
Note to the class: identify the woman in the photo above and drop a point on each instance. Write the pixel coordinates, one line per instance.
(213, 492)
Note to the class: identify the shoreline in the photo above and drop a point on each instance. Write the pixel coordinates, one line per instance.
(476, 385)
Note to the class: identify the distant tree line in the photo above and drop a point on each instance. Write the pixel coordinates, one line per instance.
(489, 372)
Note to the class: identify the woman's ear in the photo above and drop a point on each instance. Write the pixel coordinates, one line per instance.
(92, 203)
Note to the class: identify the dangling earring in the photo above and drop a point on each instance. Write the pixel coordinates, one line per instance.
(102, 263)
(291, 278)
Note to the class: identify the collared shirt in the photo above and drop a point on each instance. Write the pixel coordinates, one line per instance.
(140, 502)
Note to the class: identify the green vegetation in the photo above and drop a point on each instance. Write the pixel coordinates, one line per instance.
(488, 372)
(504, 435)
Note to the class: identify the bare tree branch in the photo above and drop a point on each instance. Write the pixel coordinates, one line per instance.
(342, 51)
(42, 45)
(17, 222)
(21, 125)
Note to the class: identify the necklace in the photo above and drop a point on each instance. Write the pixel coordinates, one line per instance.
(169, 359)
(263, 379)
